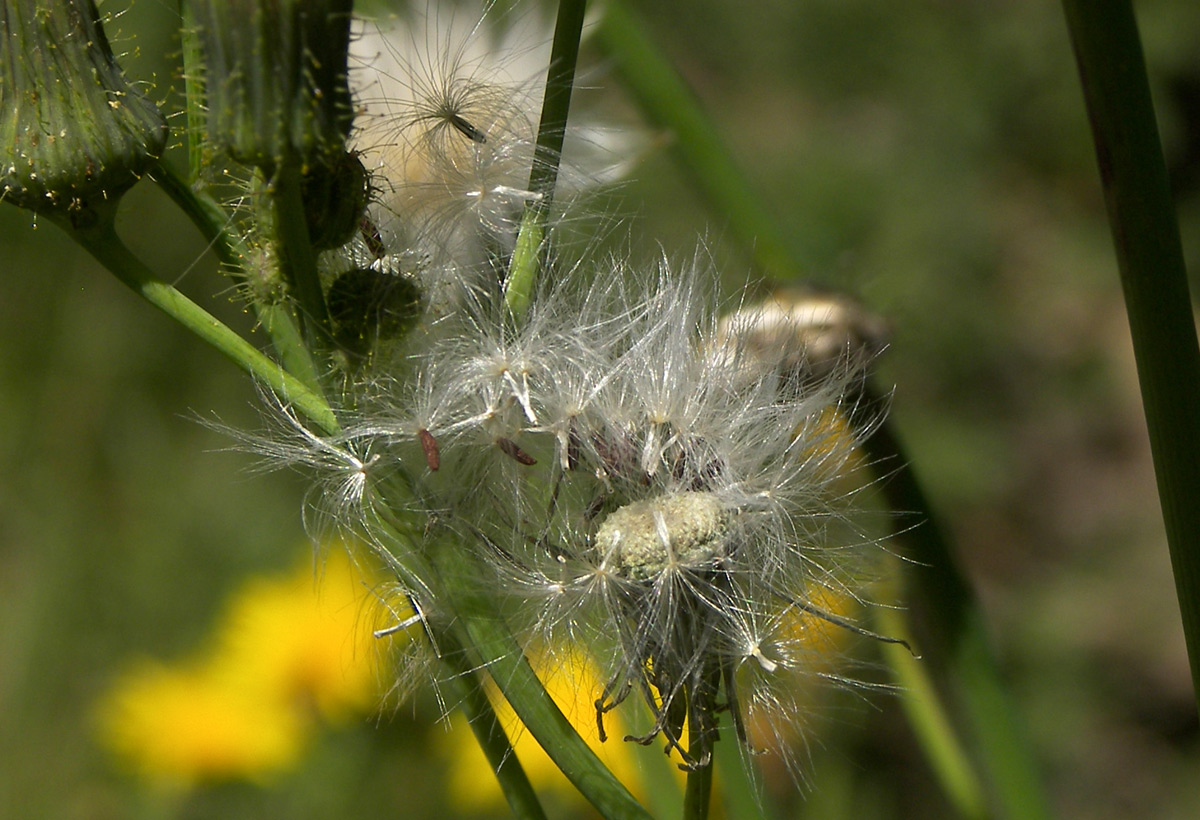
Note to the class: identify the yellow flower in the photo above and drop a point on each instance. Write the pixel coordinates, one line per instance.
(289, 649)
(303, 640)
(180, 725)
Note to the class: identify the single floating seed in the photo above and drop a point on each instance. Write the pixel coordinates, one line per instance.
(510, 449)
(467, 130)
(433, 457)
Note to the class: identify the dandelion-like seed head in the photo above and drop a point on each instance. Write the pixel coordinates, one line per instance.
(635, 484)
(631, 473)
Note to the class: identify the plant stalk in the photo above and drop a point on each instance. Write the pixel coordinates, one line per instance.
(528, 255)
(103, 243)
(1145, 230)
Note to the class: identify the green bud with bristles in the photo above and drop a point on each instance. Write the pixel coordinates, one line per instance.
(276, 79)
(73, 133)
(335, 197)
(370, 306)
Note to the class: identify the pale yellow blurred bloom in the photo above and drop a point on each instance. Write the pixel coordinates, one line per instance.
(302, 638)
(289, 650)
(183, 724)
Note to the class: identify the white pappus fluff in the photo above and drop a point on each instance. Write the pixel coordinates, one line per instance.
(448, 104)
(638, 484)
(636, 477)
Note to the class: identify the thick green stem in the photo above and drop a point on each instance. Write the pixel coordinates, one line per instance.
(487, 642)
(702, 737)
(295, 255)
(103, 243)
(506, 663)
(1150, 257)
(552, 128)
(698, 795)
(193, 88)
(472, 700)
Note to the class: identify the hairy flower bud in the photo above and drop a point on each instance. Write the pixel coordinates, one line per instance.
(368, 305)
(335, 200)
(276, 78)
(73, 133)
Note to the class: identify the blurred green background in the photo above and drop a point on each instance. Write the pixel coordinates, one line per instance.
(931, 156)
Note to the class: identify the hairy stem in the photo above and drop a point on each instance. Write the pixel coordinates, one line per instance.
(213, 222)
(103, 243)
(295, 255)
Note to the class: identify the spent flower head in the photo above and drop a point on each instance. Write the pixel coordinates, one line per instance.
(640, 480)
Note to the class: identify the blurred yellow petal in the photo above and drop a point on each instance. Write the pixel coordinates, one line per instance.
(184, 725)
(302, 638)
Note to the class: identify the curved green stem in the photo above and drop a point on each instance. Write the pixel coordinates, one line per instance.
(103, 243)
(473, 701)
(1153, 275)
(487, 642)
(506, 663)
(213, 223)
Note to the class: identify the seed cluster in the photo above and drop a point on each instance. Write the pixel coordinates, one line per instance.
(634, 476)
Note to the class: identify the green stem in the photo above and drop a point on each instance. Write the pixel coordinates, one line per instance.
(103, 243)
(931, 723)
(698, 795)
(1150, 257)
(295, 255)
(507, 665)
(740, 795)
(213, 222)
(702, 736)
(949, 631)
(193, 88)
(473, 701)
(665, 98)
(552, 128)
(556, 105)
(488, 643)
(415, 574)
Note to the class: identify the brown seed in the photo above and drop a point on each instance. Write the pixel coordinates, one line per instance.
(429, 444)
(510, 449)
(372, 238)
